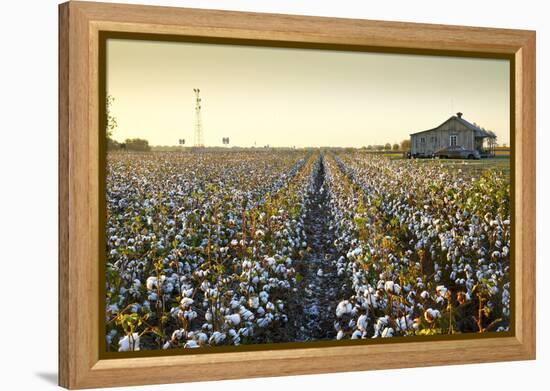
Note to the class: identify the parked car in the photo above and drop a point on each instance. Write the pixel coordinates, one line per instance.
(457, 152)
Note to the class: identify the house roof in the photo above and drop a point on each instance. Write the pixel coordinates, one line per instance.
(478, 132)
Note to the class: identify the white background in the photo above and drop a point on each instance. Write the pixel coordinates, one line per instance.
(28, 194)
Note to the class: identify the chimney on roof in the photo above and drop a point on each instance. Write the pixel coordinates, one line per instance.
(459, 114)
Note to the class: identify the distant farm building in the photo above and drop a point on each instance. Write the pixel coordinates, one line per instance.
(456, 131)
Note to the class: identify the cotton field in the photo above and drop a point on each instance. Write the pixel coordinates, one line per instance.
(210, 248)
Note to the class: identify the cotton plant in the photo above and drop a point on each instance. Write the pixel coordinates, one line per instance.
(193, 240)
(440, 241)
(206, 249)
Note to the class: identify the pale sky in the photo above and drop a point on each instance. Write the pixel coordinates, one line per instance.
(297, 97)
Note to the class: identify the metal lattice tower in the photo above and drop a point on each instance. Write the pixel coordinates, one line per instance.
(199, 141)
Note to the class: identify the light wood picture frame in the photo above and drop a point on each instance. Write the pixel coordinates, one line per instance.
(81, 25)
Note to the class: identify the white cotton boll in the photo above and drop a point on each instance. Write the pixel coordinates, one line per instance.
(264, 296)
(344, 307)
(356, 334)
(340, 335)
(152, 296)
(129, 343)
(263, 322)
(167, 345)
(402, 323)
(392, 288)
(235, 319)
(191, 344)
(382, 322)
(208, 316)
(186, 302)
(320, 272)
(151, 283)
(441, 290)
(217, 337)
(234, 304)
(387, 333)
(234, 242)
(281, 269)
(247, 315)
(113, 308)
(177, 334)
(212, 293)
(190, 315)
(431, 315)
(202, 338)
(260, 233)
(254, 302)
(362, 322)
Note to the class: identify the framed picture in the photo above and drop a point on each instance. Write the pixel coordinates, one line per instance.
(246, 195)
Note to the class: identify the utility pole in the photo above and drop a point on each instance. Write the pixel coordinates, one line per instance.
(199, 141)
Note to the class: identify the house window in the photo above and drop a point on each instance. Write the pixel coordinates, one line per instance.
(422, 140)
(452, 141)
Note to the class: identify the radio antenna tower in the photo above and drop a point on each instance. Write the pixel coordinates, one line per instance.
(199, 142)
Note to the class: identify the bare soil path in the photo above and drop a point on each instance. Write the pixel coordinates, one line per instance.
(318, 288)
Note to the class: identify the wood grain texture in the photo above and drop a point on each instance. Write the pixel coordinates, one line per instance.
(63, 220)
(80, 24)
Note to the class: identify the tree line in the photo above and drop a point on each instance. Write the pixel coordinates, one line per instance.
(404, 146)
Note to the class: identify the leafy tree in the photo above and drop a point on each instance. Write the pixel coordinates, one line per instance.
(387, 147)
(395, 147)
(406, 145)
(111, 119)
